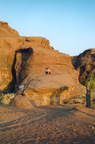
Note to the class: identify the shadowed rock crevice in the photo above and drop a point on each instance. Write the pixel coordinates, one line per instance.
(19, 64)
(55, 97)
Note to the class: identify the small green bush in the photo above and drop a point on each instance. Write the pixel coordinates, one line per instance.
(82, 81)
(90, 79)
(92, 84)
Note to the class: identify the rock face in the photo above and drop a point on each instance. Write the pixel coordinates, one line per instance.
(85, 65)
(10, 41)
(5, 30)
(23, 61)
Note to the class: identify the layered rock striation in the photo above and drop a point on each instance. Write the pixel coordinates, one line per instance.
(23, 61)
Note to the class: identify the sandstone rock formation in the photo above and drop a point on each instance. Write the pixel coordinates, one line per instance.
(85, 65)
(6, 30)
(23, 61)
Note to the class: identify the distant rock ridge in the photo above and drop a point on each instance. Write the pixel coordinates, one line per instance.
(84, 63)
(23, 61)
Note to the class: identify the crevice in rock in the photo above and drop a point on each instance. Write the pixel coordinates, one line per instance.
(55, 97)
(19, 65)
(13, 70)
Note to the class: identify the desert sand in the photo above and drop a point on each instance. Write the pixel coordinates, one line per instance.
(63, 124)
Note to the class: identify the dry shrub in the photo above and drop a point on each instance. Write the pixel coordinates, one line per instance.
(6, 98)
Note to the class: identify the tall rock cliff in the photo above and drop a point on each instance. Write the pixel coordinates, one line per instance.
(23, 61)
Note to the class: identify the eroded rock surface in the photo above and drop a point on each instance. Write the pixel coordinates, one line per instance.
(85, 65)
(23, 61)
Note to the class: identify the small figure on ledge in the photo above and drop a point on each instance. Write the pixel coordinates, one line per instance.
(48, 71)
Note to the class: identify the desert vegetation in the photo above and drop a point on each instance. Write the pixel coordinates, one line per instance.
(5, 99)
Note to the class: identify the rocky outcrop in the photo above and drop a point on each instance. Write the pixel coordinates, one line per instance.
(6, 30)
(85, 65)
(23, 61)
(10, 41)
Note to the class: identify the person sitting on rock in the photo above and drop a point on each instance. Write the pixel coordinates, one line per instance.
(48, 71)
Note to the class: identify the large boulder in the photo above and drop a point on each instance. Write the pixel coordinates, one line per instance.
(23, 61)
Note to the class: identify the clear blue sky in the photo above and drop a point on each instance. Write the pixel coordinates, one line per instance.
(69, 25)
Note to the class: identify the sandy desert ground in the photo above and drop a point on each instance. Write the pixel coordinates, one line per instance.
(67, 124)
